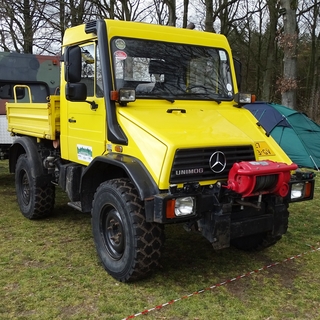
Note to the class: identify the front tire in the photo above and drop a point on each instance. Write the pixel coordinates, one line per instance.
(128, 246)
(35, 201)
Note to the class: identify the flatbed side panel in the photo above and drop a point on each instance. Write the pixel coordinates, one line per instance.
(55, 105)
(41, 120)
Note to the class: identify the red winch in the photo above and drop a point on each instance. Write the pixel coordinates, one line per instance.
(250, 178)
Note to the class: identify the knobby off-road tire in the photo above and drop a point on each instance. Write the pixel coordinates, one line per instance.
(35, 201)
(128, 246)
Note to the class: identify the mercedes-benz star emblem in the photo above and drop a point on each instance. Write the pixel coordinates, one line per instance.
(217, 162)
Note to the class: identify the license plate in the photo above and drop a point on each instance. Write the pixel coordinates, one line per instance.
(263, 149)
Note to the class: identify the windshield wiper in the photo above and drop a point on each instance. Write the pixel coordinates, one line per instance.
(215, 100)
(153, 96)
(164, 98)
(203, 95)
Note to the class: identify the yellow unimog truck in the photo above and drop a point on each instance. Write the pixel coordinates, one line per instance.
(148, 129)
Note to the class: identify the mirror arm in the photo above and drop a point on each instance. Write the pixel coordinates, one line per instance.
(93, 105)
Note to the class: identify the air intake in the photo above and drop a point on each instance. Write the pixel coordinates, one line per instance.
(91, 27)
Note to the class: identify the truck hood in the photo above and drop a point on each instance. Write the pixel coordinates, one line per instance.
(156, 133)
(186, 125)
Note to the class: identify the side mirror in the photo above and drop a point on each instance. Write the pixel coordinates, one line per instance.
(238, 69)
(72, 62)
(76, 91)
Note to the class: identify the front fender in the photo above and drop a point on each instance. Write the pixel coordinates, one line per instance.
(113, 166)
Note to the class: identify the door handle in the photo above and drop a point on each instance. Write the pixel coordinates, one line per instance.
(72, 120)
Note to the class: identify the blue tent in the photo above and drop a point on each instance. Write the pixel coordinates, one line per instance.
(296, 134)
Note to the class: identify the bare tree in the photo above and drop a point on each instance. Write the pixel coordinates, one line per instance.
(288, 82)
(269, 74)
(171, 4)
(310, 15)
(160, 12)
(209, 16)
(252, 27)
(185, 13)
(19, 22)
(159, 15)
(223, 11)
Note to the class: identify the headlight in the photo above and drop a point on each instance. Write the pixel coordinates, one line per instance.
(244, 98)
(301, 190)
(127, 95)
(184, 206)
(297, 190)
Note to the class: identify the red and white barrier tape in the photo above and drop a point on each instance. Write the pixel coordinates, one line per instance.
(313, 249)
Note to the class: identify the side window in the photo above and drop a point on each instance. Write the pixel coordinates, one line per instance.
(88, 66)
(91, 70)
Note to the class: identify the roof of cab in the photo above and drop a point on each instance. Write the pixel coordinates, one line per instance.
(119, 28)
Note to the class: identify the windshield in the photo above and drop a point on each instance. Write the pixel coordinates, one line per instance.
(171, 71)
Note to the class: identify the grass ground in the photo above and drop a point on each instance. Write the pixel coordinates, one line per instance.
(49, 270)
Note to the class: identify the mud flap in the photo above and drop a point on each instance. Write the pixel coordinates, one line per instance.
(216, 228)
(221, 231)
(280, 217)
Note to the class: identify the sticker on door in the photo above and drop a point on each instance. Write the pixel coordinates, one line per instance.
(84, 152)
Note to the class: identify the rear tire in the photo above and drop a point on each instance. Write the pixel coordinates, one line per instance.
(128, 246)
(35, 201)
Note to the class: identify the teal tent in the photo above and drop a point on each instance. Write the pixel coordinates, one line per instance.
(296, 134)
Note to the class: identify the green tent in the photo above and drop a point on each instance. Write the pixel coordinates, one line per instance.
(297, 134)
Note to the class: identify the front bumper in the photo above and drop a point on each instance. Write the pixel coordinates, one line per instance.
(210, 199)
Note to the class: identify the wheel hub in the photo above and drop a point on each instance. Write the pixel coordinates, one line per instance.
(25, 189)
(112, 230)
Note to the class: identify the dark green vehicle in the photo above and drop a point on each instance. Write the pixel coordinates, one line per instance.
(40, 72)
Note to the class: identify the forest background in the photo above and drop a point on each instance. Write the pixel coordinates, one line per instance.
(277, 41)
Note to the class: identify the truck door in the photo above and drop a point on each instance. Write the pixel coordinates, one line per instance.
(86, 123)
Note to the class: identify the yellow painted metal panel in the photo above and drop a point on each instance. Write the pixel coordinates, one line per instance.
(150, 127)
(39, 120)
(76, 35)
(149, 31)
(84, 129)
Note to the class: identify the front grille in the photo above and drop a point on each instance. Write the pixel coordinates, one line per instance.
(193, 164)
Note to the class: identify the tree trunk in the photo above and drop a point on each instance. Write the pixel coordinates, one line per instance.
(312, 78)
(209, 16)
(126, 12)
(28, 33)
(112, 5)
(185, 13)
(171, 4)
(289, 41)
(224, 16)
(271, 50)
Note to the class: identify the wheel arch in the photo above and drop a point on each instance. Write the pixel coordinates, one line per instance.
(28, 146)
(113, 166)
